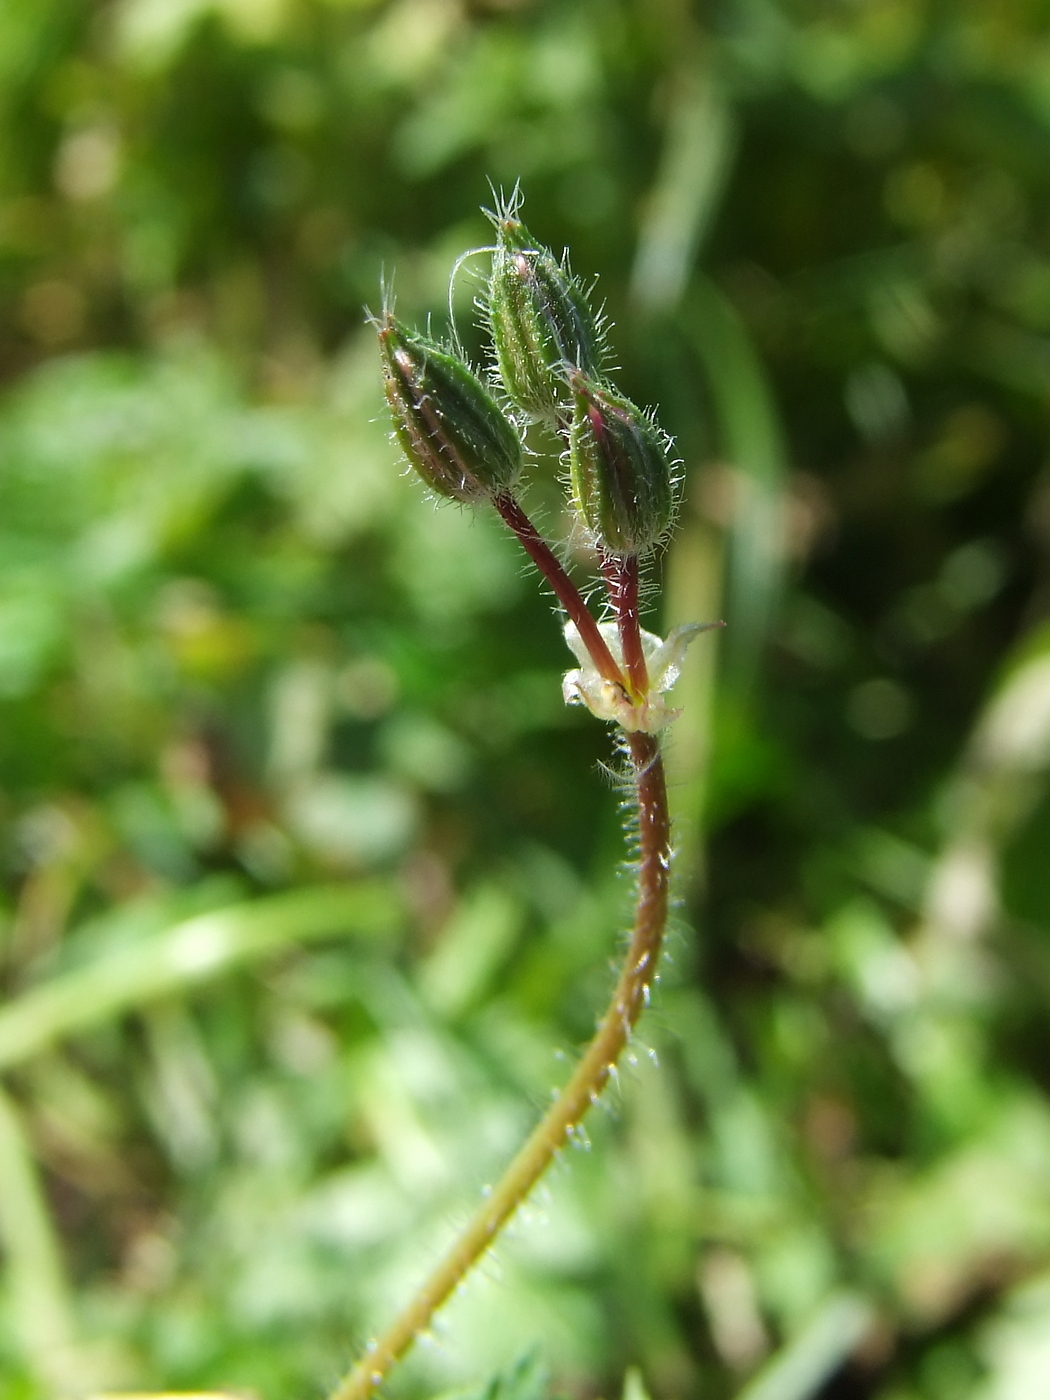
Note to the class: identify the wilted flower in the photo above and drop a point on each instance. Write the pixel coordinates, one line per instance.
(607, 700)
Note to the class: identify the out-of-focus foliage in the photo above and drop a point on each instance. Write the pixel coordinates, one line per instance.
(309, 879)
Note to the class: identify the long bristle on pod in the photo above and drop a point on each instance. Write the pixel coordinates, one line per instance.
(454, 433)
(621, 472)
(542, 325)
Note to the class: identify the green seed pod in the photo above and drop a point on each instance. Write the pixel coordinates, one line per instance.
(453, 432)
(542, 326)
(623, 481)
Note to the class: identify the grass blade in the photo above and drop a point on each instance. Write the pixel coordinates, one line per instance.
(193, 951)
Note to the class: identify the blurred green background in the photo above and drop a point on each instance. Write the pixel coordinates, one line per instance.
(311, 883)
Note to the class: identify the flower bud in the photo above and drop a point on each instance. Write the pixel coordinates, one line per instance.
(622, 477)
(452, 430)
(542, 326)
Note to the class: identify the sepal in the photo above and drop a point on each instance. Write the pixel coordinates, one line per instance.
(453, 431)
(620, 469)
(542, 326)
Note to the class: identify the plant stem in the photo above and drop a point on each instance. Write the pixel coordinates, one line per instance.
(568, 595)
(621, 579)
(586, 1084)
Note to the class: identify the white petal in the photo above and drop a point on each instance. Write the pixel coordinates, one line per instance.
(606, 700)
(610, 635)
(665, 664)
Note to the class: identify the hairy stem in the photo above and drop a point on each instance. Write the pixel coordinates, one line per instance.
(621, 579)
(590, 1077)
(568, 595)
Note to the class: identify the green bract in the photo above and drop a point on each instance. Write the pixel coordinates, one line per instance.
(454, 433)
(542, 326)
(622, 476)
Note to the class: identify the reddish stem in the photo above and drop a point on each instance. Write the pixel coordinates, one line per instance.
(568, 595)
(586, 1084)
(621, 579)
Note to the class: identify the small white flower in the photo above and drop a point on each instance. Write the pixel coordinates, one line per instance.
(607, 700)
